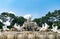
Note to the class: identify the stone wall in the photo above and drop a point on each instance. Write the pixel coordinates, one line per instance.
(29, 35)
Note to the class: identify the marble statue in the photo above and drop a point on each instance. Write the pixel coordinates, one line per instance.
(5, 28)
(44, 27)
(54, 28)
(17, 27)
(7, 23)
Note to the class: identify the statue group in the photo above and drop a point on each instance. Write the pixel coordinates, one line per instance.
(29, 25)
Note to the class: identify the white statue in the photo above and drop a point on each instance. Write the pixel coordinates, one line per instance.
(7, 23)
(5, 28)
(17, 27)
(54, 28)
(44, 27)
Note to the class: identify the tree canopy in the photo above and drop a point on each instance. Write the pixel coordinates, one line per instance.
(50, 18)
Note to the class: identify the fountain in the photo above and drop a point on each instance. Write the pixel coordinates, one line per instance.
(29, 30)
(29, 25)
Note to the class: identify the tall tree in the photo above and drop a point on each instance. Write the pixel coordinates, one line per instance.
(1, 25)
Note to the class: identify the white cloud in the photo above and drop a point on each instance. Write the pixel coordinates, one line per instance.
(11, 12)
(27, 16)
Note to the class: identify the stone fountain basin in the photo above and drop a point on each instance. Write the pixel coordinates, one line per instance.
(29, 35)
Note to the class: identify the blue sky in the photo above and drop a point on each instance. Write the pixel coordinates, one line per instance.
(37, 8)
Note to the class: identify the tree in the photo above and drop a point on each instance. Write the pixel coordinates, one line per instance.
(19, 20)
(38, 21)
(4, 16)
(11, 15)
(50, 18)
(1, 25)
